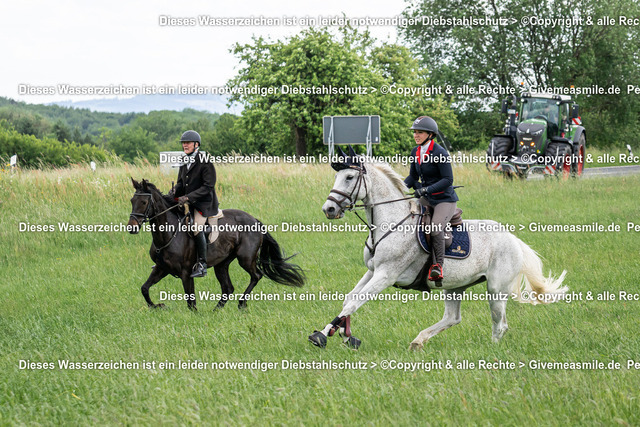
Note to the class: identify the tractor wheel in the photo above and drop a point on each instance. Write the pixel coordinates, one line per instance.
(577, 168)
(561, 153)
(499, 146)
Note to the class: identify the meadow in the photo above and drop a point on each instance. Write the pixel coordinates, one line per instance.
(76, 296)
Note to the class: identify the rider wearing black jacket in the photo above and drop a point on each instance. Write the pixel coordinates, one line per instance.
(196, 181)
(432, 177)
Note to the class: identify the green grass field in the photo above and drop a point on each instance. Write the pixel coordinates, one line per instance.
(76, 296)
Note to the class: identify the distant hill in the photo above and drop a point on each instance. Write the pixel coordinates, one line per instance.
(147, 103)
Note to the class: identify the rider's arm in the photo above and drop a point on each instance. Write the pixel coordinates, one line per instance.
(178, 190)
(446, 174)
(413, 180)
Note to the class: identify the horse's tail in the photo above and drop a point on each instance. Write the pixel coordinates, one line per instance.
(533, 287)
(274, 265)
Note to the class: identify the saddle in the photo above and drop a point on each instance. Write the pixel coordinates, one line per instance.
(457, 244)
(211, 226)
(457, 241)
(210, 230)
(427, 213)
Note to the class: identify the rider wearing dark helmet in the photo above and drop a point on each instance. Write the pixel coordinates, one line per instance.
(431, 176)
(196, 181)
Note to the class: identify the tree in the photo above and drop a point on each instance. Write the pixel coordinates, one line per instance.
(61, 131)
(578, 50)
(77, 136)
(397, 68)
(288, 86)
(289, 70)
(35, 152)
(227, 136)
(133, 142)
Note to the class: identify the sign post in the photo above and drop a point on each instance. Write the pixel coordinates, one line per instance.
(351, 130)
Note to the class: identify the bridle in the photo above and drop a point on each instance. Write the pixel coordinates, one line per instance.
(351, 206)
(356, 190)
(145, 217)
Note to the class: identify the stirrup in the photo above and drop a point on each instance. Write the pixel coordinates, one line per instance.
(199, 270)
(435, 272)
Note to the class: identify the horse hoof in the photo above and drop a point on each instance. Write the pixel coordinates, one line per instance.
(156, 306)
(415, 346)
(318, 339)
(353, 342)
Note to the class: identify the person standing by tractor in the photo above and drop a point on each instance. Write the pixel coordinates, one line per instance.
(431, 176)
(196, 186)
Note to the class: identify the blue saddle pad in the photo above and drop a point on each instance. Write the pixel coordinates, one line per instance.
(460, 247)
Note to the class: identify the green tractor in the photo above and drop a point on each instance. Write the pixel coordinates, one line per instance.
(545, 137)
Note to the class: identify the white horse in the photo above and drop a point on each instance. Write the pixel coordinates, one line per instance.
(508, 265)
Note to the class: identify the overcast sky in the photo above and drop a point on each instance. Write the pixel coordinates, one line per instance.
(46, 43)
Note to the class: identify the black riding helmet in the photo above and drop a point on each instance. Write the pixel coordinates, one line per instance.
(426, 124)
(190, 136)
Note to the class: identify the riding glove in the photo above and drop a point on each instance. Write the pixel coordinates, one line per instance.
(423, 191)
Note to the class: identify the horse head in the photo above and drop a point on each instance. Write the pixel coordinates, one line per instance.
(143, 204)
(350, 184)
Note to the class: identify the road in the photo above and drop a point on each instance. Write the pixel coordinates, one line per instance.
(601, 171)
(611, 171)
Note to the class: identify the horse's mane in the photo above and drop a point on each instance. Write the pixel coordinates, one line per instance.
(393, 176)
(151, 186)
(153, 189)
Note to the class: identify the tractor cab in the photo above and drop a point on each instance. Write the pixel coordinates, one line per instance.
(540, 120)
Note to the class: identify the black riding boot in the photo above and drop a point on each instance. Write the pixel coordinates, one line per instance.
(437, 246)
(200, 268)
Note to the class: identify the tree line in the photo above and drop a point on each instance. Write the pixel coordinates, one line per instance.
(289, 122)
(59, 136)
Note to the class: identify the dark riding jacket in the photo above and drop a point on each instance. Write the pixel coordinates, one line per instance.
(198, 184)
(434, 172)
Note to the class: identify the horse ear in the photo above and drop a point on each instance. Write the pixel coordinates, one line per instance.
(354, 159)
(342, 154)
(145, 183)
(342, 162)
(352, 153)
(135, 183)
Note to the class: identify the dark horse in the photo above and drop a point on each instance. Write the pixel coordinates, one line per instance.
(174, 252)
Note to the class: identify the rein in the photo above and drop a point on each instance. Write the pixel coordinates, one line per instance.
(356, 189)
(145, 217)
(354, 207)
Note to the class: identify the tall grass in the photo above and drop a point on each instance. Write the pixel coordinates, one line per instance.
(76, 296)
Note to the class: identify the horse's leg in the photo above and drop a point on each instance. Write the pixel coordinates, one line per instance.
(499, 317)
(371, 283)
(248, 263)
(361, 284)
(498, 292)
(189, 290)
(450, 318)
(380, 280)
(501, 278)
(156, 275)
(222, 274)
